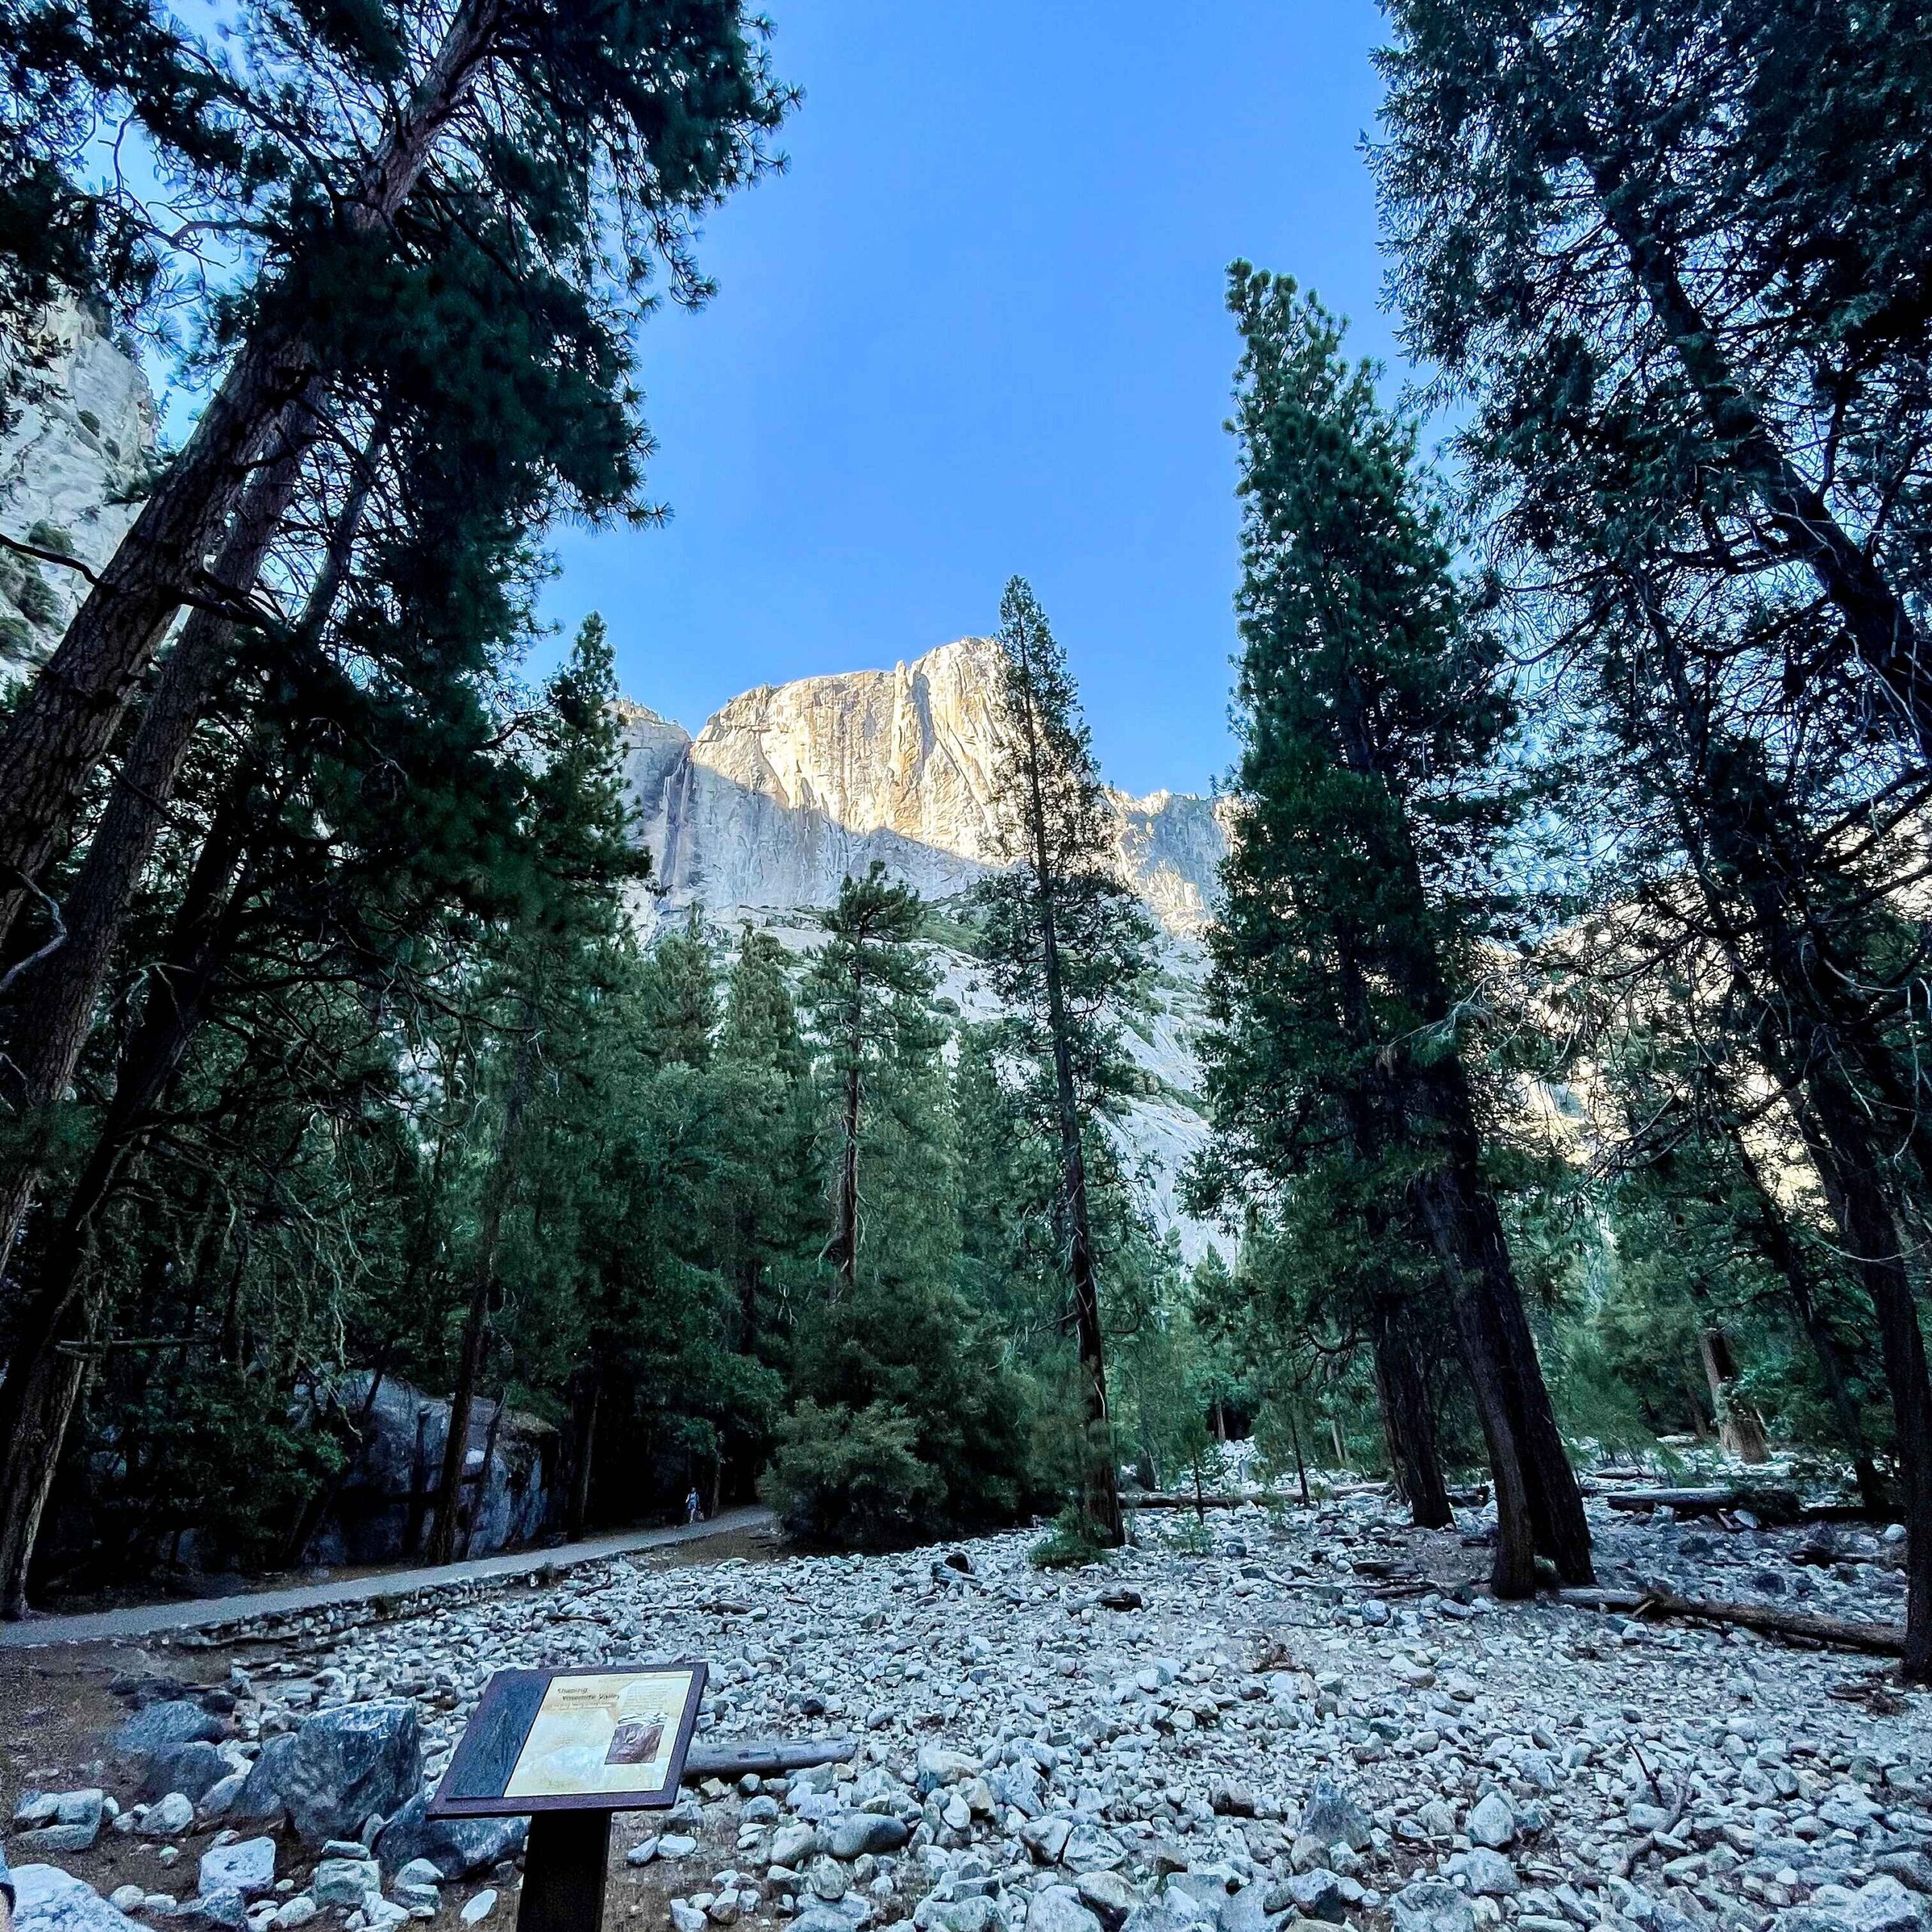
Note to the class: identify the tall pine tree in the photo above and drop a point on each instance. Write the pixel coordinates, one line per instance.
(1371, 714)
(1066, 945)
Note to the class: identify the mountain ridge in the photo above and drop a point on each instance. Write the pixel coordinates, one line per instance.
(787, 788)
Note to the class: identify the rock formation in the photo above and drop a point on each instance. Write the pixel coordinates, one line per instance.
(790, 787)
(75, 457)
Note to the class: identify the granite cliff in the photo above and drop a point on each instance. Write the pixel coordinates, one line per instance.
(790, 787)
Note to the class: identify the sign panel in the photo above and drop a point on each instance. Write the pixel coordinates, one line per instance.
(608, 1737)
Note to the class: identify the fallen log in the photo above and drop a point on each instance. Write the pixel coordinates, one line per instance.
(764, 1756)
(1185, 1499)
(1840, 1633)
(1768, 1506)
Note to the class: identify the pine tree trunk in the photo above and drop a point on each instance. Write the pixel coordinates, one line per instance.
(848, 1168)
(1406, 1419)
(1851, 1169)
(476, 1327)
(61, 729)
(1100, 1482)
(583, 1431)
(1740, 1429)
(40, 1422)
(29, 1405)
(1780, 1247)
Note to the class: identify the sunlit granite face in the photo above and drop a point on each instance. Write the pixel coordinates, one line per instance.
(790, 787)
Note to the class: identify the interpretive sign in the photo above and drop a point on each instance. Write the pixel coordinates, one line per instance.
(609, 1738)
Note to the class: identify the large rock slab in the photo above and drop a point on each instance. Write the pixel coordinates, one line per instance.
(47, 1899)
(164, 1726)
(194, 1769)
(347, 1763)
(402, 1434)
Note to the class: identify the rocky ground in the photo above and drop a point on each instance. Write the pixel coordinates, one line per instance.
(1311, 1716)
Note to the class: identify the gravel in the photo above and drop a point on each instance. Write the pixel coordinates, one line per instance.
(1318, 1721)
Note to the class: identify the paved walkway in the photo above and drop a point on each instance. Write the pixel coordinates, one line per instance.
(214, 1613)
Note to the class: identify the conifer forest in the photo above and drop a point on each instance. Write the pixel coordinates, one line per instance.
(414, 1145)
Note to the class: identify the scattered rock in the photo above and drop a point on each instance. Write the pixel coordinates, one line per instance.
(1490, 1874)
(247, 1867)
(1431, 1906)
(1493, 1822)
(345, 1881)
(476, 1910)
(792, 1844)
(1331, 1816)
(856, 1833)
(167, 1819)
(1058, 1909)
(457, 1848)
(60, 1821)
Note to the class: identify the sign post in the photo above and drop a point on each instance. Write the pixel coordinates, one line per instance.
(569, 1748)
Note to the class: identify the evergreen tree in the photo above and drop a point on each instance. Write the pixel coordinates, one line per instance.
(868, 994)
(580, 838)
(910, 1420)
(564, 144)
(1065, 946)
(1678, 248)
(1372, 714)
(679, 993)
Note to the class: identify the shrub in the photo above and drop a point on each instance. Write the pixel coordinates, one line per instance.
(1069, 1545)
(850, 1478)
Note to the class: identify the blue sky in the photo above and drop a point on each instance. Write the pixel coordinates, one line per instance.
(977, 328)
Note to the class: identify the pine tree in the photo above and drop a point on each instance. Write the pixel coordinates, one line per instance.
(679, 993)
(578, 141)
(868, 994)
(1681, 245)
(581, 840)
(1371, 717)
(1066, 945)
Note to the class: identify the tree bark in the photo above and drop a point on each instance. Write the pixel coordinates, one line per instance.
(61, 729)
(1778, 1245)
(39, 1420)
(1852, 1171)
(476, 1327)
(583, 1431)
(1406, 1419)
(848, 1256)
(1740, 1429)
(177, 1004)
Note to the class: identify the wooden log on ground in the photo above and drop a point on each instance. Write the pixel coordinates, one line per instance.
(1768, 1506)
(1185, 1499)
(767, 1757)
(1838, 1633)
